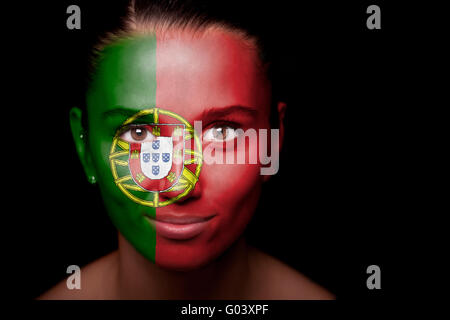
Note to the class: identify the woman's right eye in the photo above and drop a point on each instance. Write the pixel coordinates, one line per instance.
(137, 134)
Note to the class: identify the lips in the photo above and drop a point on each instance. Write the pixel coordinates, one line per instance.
(179, 227)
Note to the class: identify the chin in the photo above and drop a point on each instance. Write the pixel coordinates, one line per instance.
(188, 255)
(183, 255)
(183, 262)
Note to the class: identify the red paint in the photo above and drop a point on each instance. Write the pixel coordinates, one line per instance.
(196, 73)
(171, 226)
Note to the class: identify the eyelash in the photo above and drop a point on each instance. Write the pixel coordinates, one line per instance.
(223, 123)
(220, 124)
(216, 124)
(124, 130)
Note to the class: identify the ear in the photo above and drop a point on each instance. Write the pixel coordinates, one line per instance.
(281, 107)
(81, 145)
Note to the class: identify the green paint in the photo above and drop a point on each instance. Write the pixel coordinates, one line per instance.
(123, 84)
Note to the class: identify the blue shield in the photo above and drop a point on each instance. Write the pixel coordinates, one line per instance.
(155, 157)
(166, 157)
(155, 170)
(155, 145)
(146, 157)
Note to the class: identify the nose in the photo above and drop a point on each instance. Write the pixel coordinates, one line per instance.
(193, 194)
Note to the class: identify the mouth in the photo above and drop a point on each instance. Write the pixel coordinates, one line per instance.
(179, 227)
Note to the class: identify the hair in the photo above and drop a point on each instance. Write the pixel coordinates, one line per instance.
(163, 15)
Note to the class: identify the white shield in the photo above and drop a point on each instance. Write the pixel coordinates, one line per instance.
(156, 157)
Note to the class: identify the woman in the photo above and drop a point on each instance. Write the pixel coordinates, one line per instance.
(180, 223)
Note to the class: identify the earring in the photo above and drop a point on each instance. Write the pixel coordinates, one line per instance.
(92, 180)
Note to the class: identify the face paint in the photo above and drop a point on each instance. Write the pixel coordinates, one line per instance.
(124, 83)
(149, 160)
(144, 90)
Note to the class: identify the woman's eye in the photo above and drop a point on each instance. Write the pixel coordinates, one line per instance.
(220, 133)
(137, 134)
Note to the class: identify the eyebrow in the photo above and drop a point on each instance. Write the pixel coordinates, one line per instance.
(224, 112)
(206, 115)
(119, 112)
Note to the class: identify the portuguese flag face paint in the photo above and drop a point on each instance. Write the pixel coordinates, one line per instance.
(145, 95)
(124, 84)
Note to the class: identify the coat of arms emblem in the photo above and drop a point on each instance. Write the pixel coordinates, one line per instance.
(167, 163)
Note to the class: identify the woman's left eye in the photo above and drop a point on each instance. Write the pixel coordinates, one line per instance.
(220, 133)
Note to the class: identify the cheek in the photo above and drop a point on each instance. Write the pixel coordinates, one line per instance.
(126, 215)
(99, 148)
(233, 190)
(229, 191)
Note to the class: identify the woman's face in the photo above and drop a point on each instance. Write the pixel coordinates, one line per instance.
(213, 77)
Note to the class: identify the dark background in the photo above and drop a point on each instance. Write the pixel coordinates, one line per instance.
(330, 210)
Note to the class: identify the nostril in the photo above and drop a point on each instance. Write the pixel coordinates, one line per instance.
(169, 195)
(192, 195)
(185, 200)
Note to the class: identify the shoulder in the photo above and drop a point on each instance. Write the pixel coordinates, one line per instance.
(276, 280)
(95, 282)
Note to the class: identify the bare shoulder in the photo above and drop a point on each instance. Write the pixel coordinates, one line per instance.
(97, 282)
(276, 280)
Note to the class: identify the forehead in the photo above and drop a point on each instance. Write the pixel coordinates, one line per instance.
(185, 72)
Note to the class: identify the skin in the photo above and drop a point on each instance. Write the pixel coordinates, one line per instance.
(214, 72)
(200, 76)
(118, 84)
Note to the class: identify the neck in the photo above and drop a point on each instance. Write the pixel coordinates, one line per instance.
(224, 278)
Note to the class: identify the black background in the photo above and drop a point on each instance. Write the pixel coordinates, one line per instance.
(330, 211)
